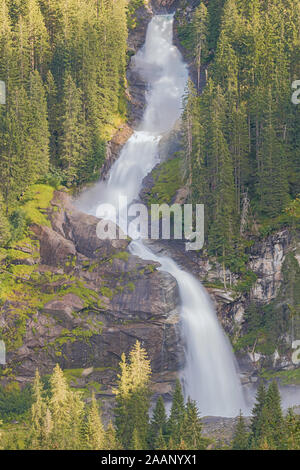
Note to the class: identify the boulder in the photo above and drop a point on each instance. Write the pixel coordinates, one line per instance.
(64, 308)
(55, 250)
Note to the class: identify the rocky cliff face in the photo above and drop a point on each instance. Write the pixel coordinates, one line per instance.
(274, 261)
(89, 302)
(164, 6)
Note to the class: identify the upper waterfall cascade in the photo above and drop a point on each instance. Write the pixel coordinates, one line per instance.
(210, 376)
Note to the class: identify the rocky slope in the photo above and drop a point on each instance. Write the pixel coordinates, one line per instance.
(89, 301)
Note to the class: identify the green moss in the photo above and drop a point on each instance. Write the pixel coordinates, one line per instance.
(151, 268)
(214, 285)
(88, 296)
(29, 297)
(23, 271)
(27, 243)
(107, 292)
(72, 374)
(167, 180)
(35, 201)
(131, 286)
(123, 255)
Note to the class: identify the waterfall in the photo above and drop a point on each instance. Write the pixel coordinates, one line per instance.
(210, 376)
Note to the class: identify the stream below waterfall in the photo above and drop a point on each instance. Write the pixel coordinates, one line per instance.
(210, 376)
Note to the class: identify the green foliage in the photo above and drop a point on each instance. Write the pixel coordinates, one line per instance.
(167, 180)
(35, 202)
(14, 402)
(268, 426)
(241, 435)
(133, 5)
(240, 134)
(5, 233)
(191, 429)
(64, 67)
(132, 398)
(158, 425)
(267, 324)
(286, 377)
(177, 415)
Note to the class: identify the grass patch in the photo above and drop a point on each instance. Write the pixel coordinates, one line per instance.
(167, 180)
(286, 377)
(35, 202)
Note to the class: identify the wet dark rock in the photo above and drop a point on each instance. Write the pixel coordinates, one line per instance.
(98, 301)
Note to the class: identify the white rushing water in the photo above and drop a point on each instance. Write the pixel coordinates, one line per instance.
(210, 376)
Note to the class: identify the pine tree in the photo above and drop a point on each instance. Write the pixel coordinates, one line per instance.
(223, 216)
(177, 415)
(15, 159)
(39, 131)
(200, 32)
(53, 117)
(136, 442)
(273, 418)
(256, 421)
(292, 430)
(6, 43)
(160, 443)
(241, 436)
(110, 438)
(72, 125)
(272, 177)
(38, 414)
(94, 432)
(66, 409)
(132, 397)
(158, 424)
(191, 428)
(4, 225)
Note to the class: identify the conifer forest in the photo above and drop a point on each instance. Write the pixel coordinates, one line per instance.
(157, 338)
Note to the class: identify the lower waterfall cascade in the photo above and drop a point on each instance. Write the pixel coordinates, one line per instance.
(210, 375)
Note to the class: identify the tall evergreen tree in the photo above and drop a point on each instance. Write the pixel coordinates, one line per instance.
(241, 435)
(177, 415)
(191, 428)
(94, 432)
(158, 424)
(132, 397)
(256, 421)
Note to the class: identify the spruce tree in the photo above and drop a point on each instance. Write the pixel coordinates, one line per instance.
(200, 33)
(38, 415)
(110, 438)
(191, 428)
(273, 418)
(66, 409)
(177, 415)
(256, 420)
(94, 433)
(132, 397)
(4, 224)
(292, 430)
(160, 443)
(38, 138)
(241, 435)
(72, 125)
(158, 424)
